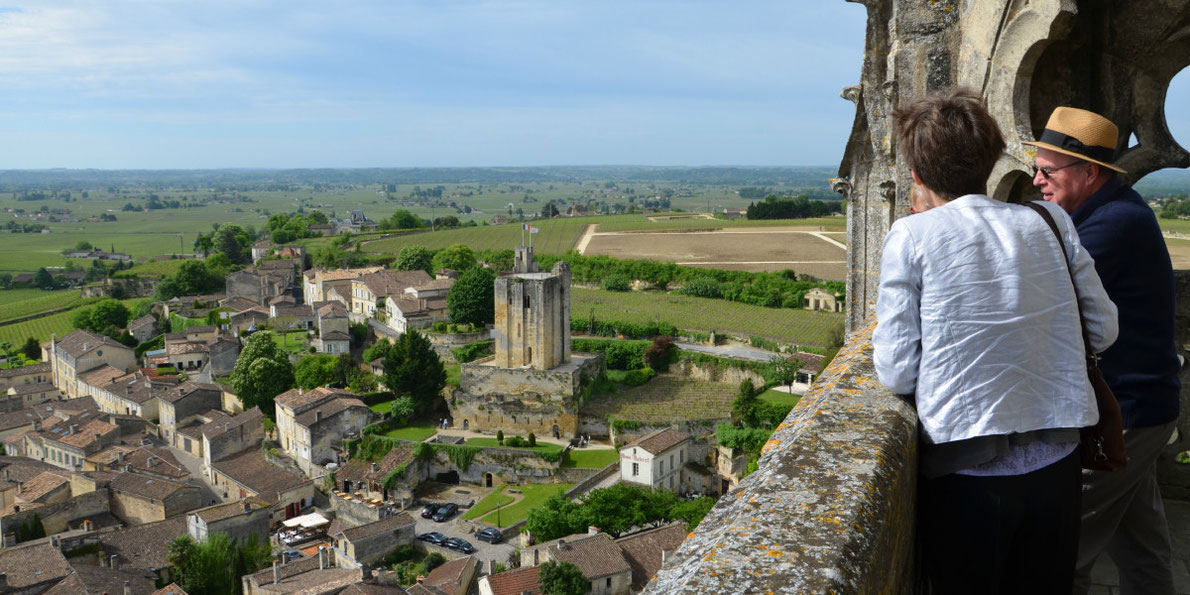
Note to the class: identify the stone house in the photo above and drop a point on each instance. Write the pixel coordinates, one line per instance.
(291, 317)
(68, 444)
(13, 423)
(366, 479)
(372, 288)
(134, 394)
(821, 299)
(370, 543)
(140, 499)
(656, 460)
(238, 520)
(311, 423)
(179, 405)
(35, 374)
(32, 568)
(332, 317)
(258, 285)
(144, 546)
(406, 311)
(248, 475)
(333, 343)
(222, 353)
(194, 334)
(80, 352)
(144, 328)
(28, 395)
(320, 573)
(226, 437)
(647, 550)
(518, 581)
(151, 461)
(456, 577)
(247, 320)
(49, 487)
(315, 282)
(187, 356)
(597, 556)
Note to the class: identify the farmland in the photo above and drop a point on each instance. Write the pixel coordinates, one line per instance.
(556, 237)
(38, 328)
(783, 325)
(649, 223)
(18, 303)
(666, 398)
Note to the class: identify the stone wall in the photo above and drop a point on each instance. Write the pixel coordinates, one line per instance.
(437, 338)
(715, 373)
(137, 510)
(373, 548)
(483, 378)
(830, 509)
(55, 517)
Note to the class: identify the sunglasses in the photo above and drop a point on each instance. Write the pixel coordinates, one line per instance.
(1046, 172)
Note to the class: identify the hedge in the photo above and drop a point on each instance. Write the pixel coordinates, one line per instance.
(618, 354)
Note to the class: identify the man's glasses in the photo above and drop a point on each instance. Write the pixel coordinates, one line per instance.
(1046, 172)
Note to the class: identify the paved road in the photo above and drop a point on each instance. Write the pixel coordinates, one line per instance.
(193, 464)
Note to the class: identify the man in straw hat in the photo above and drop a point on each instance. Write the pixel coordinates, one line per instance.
(1122, 511)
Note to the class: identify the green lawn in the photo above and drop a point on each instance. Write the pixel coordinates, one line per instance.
(542, 447)
(534, 495)
(666, 398)
(453, 374)
(414, 432)
(382, 407)
(776, 397)
(489, 502)
(291, 341)
(591, 459)
(784, 325)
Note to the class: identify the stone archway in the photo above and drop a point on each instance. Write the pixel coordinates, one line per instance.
(1025, 58)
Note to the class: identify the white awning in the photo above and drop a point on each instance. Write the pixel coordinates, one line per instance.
(307, 521)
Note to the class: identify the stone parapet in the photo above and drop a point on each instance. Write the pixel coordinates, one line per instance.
(832, 506)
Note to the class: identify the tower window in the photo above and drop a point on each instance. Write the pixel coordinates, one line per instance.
(526, 302)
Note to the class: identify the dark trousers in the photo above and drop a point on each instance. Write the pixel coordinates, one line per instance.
(1006, 534)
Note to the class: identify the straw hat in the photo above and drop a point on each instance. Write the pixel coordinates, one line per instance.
(1080, 133)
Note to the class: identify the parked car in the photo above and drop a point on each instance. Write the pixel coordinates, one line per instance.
(489, 535)
(445, 511)
(428, 510)
(433, 537)
(458, 543)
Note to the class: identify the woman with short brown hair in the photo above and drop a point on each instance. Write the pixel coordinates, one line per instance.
(978, 319)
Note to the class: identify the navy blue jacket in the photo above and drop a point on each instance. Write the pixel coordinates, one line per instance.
(1120, 232)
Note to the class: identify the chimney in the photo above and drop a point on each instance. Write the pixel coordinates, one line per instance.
(74, 428)
(318, 416)
(6, 474)
(37, 425)
(119, 457)
(592, 530)
(153, 461)
(55, 541)
(375, 467)
(247, 506)
(276, 571)
(87, 525)
(300, 390)
(102, 560)
(665, 556)
(322, 557)
(115, 562)
(226, 426)
(127, 587)
(562, 545)
(536, 556)
(491, 566)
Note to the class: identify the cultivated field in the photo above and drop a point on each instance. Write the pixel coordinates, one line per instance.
(557, 236)
(679, 222)
(749, 249)
(666, 397)
(1179, 252)
(38, 328)
(783, 325)
(18, 303)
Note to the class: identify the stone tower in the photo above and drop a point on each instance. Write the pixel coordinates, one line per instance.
(532, 327)
(1025, 58)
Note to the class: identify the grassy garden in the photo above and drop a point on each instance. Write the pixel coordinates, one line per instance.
(666, 398)
(532, 496)
(413, 431)
(542, 447)
(591, 459)
(776, 397)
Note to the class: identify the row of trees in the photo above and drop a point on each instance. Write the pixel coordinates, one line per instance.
(798, 207)
(284, 228)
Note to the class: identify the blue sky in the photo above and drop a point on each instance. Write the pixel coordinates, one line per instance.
(260, 83)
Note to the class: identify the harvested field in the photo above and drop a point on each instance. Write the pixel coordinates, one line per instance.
(666, 397)
(1179, 252)
(766, 249)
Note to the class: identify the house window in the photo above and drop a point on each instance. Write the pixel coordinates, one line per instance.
(609, 582)
(635, 469)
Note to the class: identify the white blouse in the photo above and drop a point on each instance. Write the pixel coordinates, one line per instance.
(976, 315)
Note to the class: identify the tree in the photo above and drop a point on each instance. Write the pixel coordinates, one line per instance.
(562, 578)
(746, 407)
(472, 299)
(556, 517)
(43, 279)
(692, 511)
(549, 210)
(215, 564)
(230, 240)
(403, 219)
(262, 372)
(456, 256)
(345, 368)
(402, 409)
(414, 258)
(31, 349)
(412, 368)
(109, 314)
(785, 369)
(314, 371)
(656, 356)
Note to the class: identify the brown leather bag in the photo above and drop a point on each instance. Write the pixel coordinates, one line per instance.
(1102, 445)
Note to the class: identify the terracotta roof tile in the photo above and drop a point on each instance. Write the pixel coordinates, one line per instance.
(328, 410)
(596, 555)
(643, 550)
(251, 470)
(660, 441)
(452, 574)
(42, 368)
(31, 565)
(515, 582)
(144, 546)
(300, 400)
(145, 486)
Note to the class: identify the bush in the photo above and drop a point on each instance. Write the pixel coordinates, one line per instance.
(620, 355)
(657, 355)
(516, 442)
(617, 282)
(639, 376)
(500, 436)
(706, 287)
(472, 351)
(532, 440)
